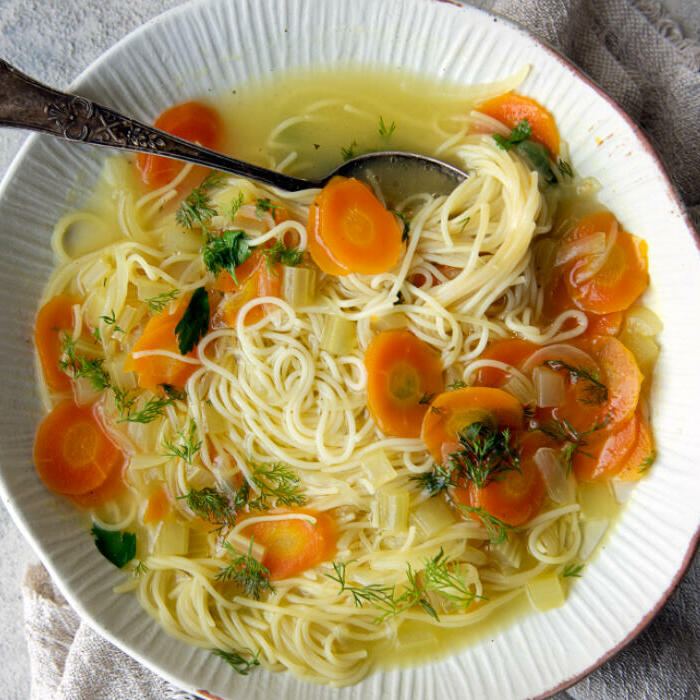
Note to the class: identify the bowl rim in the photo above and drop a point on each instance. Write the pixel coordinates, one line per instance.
(578, 74)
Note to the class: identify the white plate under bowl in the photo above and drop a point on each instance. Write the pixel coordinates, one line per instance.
(213, 45)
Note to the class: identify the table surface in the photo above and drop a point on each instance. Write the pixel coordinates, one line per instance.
(54, 40)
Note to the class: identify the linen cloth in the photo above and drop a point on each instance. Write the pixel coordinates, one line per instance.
(639, 56)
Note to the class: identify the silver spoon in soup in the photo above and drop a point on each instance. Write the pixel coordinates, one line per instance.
(27, 104)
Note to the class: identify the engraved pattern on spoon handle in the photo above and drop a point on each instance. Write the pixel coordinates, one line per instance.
(28, 104)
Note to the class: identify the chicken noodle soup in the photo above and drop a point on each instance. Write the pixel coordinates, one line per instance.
(315, 429)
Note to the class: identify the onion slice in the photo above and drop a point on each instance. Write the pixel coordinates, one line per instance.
(560, 487)
(549, 387)
(592, 245)
(562, 352)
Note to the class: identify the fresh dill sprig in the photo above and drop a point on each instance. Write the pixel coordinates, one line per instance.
(196, 207)
(647, 462)
(188, 446)
(173, 393)
(562, 431)
(277, 484)
(265, 206)
(437, 480)
(80, 366)
(140, 569)
(149, 411)
(280, 253)
(465, 220)
(386, 131)
(212, 505)
(426, 399)
(160, 301)
(573, 570)
(399, 299)
(349, 152)
(595, 392)
(485, 454)
(111, 320)
(443, 576)
(565, 168)
(497, 530)
(238, 662)
(457, 384)
(247, 572)
(236, 204)
(374, 593)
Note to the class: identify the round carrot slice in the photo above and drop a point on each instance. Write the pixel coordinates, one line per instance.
(192, 121)
(403, 373)
(452, 411)
(604, 452)
(620, 280)
(72, 452)
(640, 457)
(516, 497)
(357, 232)
(53, 319)
(511, 109)
(294, 545)
(511, 351)
(317, 248)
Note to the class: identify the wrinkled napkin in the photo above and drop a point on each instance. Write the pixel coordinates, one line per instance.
(639, 56)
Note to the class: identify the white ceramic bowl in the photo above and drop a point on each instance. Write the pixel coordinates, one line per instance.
(216, 44)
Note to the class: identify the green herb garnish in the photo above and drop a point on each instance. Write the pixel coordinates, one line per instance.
(521, 132)
(497, 530)
(595, 392)
(187, 447)
(280, 253)
(386, 131)
(572, 570)
(277, 485)
(159, 302)
(117, 547)
(226, 252)
(194, 323)
(79, 366)
(237, 662)
(196, 208)
(247, 572)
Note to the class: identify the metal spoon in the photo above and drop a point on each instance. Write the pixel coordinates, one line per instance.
(28, 104)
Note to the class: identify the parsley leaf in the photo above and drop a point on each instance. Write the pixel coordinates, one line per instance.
(521, 132)
(226, 252)
(194, 323)
(117, 547)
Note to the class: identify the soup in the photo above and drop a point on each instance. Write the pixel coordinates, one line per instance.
(319, 430)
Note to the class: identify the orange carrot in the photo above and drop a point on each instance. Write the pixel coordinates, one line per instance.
(641, 455)
(605, 451)
(351, 230)
(54, 318)
(511, 109)
(622, 376)
(108, 490)
(604, 324)
(512, 351)
(403, 373)
(159, 334)
(192, 121)
(72, 453)
(294, 545)
(515, 498)
(157, 506)
(452, 411)
(622, 277)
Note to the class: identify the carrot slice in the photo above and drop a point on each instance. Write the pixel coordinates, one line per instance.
(604, 324)
(294, 545)
(605, 452)
(640, 457)
(353, 230)
(622, 377)
(401, 371)
(157, 506)
(111, 488)
(622, 277)
(512, 351)
(452, 411)
(518, 496)
(192, 121)
(511, 109)
(53, 318)
(72, 452)
(317, 249)
(159, 334)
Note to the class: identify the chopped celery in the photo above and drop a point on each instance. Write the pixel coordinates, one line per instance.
(433, 516)
(214, 421)
(378, 469)
(300, 284)
(509, 552)
(641, 320)
(546, 592)
(339, 336)
(172, 539)
(180, 240)
(643, 347)
(391, 510)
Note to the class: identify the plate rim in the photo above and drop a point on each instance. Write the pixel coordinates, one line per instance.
(578, 74)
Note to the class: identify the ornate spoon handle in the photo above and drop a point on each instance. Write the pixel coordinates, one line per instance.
(28, 104)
